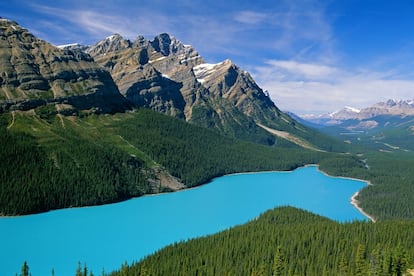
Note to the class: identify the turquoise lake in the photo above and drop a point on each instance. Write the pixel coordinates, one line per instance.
(104, 237)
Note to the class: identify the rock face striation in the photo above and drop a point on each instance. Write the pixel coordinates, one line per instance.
(169, 77)
(34, 72)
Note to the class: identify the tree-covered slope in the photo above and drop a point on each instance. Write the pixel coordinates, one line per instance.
(288, 241)
(46, 166)
(196, 155)
(391, 195)
(51, 161)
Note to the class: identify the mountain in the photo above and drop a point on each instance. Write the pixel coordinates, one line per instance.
(34, 73)
(387, 126)
(167, 76)
(391, 107)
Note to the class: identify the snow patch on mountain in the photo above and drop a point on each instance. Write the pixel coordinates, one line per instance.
(352, 109)
(205, 70)
(71, 45)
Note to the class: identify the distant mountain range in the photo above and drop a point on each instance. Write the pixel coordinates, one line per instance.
(388, 125)
(400, 108)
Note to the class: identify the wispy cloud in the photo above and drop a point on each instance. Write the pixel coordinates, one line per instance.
(207, 32)
(250, 17)
(101, 23)
(297, 69)
(283, 27)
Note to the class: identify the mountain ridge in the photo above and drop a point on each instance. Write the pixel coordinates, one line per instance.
(387, 126)
(390, 107)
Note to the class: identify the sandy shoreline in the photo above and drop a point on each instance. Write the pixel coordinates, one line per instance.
(354, 202)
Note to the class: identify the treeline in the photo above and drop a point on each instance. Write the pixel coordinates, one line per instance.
(288, 241)
(64, 172)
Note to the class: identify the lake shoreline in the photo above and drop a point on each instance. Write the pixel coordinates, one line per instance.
(353, 201)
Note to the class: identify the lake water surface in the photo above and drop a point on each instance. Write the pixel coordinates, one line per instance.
(106, 236)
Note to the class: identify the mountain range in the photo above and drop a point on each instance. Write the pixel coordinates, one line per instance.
(162, 74)
(169, 77)
(399, 108)
(388, 125)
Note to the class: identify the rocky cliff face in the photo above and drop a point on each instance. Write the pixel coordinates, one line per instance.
(34, 72)
(170, 77)
(154, 74)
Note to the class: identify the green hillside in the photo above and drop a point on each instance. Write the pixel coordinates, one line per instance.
(52, 161)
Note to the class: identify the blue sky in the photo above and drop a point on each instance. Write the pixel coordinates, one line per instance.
(312, 56)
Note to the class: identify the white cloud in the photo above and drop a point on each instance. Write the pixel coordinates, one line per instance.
(305, 70)
(101, 23)
(315, 88)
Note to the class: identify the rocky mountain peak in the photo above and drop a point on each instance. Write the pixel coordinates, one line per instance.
(6, 23)
(113, 43)
(140, 42)
(166, 44)
(396, 104)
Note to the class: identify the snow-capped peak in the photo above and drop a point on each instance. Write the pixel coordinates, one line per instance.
(113, 37)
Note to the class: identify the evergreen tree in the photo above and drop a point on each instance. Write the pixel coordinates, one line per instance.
(360, 267)
(25, 269)
(343, 266)
(278, 262)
